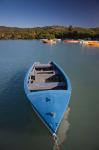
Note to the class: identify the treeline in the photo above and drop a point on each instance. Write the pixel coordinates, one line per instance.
(49, 32)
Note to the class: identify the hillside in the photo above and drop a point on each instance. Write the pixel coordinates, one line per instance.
(48, 32)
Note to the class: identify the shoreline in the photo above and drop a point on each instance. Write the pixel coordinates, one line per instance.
(60, 32)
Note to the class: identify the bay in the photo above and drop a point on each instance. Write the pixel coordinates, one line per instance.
(20, 128)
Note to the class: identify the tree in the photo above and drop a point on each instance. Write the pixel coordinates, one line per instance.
(70, 28)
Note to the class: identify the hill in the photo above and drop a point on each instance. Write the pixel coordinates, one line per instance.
(48, 32)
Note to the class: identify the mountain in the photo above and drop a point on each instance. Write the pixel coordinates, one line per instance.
(48, 32)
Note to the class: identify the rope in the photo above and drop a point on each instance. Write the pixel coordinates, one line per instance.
(57, 142)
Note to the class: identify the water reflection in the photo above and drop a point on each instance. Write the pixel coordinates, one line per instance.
(63, 129)
(20, 128)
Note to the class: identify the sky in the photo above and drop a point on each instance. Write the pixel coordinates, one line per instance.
(38, 13)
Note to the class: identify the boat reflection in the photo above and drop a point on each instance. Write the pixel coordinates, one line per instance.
(63, 130)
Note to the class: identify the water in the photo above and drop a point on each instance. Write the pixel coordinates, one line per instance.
(20, 128)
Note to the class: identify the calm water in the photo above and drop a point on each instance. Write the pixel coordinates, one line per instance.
(20, 128)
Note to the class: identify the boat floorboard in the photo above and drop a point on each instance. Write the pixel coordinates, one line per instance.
(49, 79)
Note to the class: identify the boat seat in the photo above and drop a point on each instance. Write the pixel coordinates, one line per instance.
(49, 72)
(43, 66)
(45, 72)
(46, 85)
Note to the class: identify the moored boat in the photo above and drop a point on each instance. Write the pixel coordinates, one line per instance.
(71, 41)
(51, 41)
(48, 89)
(90, 43)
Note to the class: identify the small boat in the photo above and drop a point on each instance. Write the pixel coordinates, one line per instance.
(71, 41)
(90, 43)
(51, 41)
(48, 89)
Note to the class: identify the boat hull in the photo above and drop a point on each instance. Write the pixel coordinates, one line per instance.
(49, 105)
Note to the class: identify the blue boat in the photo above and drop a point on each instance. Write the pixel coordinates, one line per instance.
(48, 89)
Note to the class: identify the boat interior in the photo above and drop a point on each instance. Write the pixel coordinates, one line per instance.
(46, 77)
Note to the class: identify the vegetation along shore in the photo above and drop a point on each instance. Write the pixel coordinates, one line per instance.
(49, 32)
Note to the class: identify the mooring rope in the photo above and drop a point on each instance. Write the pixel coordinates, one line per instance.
(57, 142)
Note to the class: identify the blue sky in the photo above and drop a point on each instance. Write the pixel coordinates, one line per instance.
(32, 13)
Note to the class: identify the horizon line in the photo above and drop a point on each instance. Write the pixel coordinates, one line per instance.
(47, 26)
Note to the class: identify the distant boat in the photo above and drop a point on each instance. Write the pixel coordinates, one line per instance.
(48, 89)
(51, 41)
(71, 41)
(90, 43)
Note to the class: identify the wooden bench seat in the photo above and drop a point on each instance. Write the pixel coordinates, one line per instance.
(45, 72)
(46, 85)
(43, 66)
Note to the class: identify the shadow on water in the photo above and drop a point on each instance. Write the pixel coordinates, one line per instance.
(20, 128)
(13, 101)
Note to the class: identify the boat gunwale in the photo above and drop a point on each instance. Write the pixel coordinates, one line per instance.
(65, 76)
(68, 91)
(59, 68)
